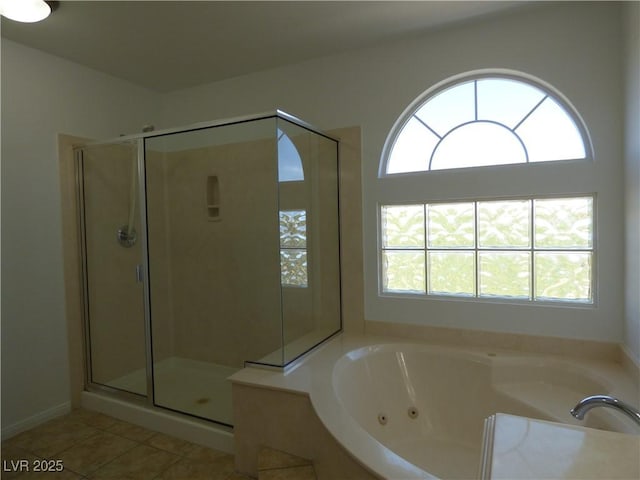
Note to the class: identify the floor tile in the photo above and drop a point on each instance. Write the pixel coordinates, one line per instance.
(93, 419)
(90, 454)
(13, 460)
(170, 444)
(131, 431)
(198, 452)
(271, 458)
(53, 437)
(63, 475)
(95, 446)
(141, 463)
(238, 476)
(218, 469)
(292, 473)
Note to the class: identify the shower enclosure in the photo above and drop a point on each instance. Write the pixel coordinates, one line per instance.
(204, 249)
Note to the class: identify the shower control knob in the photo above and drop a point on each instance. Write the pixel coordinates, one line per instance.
(127, 238)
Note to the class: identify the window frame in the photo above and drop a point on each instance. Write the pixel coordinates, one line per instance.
(417, 187)
(476, 297)
(440, 87)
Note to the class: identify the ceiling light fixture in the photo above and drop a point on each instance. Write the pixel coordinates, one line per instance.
(27, 11)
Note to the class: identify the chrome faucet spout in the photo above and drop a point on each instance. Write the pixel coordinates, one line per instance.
(588, 403)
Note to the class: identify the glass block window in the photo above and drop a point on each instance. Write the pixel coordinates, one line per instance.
(293, 248)
(538, 249)
(485, 121)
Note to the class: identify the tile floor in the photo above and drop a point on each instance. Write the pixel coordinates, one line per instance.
(91, 446)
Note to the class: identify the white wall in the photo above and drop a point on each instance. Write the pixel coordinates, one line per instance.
(632, 177)
(43, 96)
(573, 46)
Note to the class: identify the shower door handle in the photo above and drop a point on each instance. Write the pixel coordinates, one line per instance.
(139, 273)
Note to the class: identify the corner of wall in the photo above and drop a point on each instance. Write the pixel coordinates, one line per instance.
(351, 258)
(71, 258)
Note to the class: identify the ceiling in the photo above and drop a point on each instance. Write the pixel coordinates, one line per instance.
(170, 45)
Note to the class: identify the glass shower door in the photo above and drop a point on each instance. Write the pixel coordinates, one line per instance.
(114, 296)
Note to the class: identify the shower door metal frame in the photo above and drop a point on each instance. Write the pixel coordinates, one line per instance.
(146, 279)
(89, 384)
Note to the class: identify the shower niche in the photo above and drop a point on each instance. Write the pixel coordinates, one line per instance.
(235, 260)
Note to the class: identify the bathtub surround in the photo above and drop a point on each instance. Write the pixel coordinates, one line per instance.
(521, 448)
(607, 351)
(286, 420)
(497, 341)
(335, 399)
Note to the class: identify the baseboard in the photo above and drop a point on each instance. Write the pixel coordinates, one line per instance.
(35, 420)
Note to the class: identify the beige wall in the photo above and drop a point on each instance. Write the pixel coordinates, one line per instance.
(216, 282)
(224, 273)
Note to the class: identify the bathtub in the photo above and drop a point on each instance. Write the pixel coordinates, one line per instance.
(415, 411)
(403, 410)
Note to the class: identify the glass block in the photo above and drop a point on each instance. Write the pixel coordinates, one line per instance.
(402, 226)
(451, 225)
(504, 274)
(293, 228)
(563, 222)
(403, 271)
(563, 276)
(505, 224)
(451, 273)
(293, 267)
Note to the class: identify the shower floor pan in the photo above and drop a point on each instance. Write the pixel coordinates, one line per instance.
(188, 386)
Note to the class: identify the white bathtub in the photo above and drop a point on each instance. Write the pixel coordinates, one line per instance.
(414, 411)
(408, 411)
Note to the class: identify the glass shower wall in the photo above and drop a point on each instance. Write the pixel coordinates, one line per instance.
(114, 296)
(235, 258)
(212, 199)
(309, 238)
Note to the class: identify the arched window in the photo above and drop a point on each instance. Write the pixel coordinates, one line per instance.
(289, 161)
(438, 239)
(483, 121)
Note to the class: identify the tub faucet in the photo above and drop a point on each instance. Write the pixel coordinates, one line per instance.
(588, 403)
